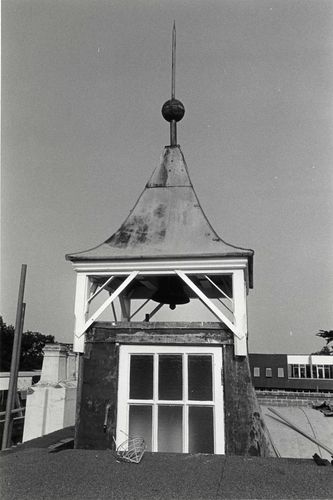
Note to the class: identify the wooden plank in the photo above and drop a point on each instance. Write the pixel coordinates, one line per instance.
(219, 289)
(63, 444)
(139, 308)
(165, 338)
(100, 289)
(155, 310)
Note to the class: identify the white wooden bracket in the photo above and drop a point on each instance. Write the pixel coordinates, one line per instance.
(239, 326)
(82, 305)
(109, 301)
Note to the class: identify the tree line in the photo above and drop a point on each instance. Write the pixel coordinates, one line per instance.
(31, 348)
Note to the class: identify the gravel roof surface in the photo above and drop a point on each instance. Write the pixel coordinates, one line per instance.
(33, 473)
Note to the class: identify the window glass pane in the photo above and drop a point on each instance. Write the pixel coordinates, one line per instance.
(200, 378)
(170, 377)
(140, 421)
(308, 371)
(170, 429)
(326, 371)
(320, 370)
(201, 434)
(256, 371)
(280, 372)
(268, 372)
(314, 371)
(302, 371)
(141, 377)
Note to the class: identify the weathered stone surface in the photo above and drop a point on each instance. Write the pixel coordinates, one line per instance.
(98, 389)
(245, 429)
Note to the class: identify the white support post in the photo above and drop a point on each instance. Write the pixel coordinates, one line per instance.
(211, 306)
(108, 301)
(80, 310)
(240, 312)
(125, 305)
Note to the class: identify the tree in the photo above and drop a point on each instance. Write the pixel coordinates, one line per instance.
(328, 336)
(31, 348)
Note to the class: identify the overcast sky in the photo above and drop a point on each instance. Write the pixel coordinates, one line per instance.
(83, 82)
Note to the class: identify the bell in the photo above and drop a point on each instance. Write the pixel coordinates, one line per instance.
(170, 291)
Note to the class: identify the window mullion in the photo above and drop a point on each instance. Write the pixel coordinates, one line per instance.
(185, 399)
(155, 406)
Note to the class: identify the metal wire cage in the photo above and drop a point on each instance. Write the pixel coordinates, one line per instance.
(131, 450)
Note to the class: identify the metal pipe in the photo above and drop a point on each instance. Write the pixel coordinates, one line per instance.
(173, 133)
(14, 366)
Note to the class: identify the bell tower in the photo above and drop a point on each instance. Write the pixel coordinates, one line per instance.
(183, 386)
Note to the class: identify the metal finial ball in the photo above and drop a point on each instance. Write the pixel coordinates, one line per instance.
(173, 110)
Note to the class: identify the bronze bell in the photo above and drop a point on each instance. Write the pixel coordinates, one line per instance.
(170, 291)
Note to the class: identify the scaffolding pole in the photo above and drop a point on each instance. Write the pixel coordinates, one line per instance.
(14, 366)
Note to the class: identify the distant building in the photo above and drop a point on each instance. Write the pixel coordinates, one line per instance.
(290, 372)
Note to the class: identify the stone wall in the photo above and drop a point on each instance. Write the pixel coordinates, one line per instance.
(245, 431)
(293, 398)
(51, 402)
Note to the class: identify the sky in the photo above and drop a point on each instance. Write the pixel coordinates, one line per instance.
(83, 82)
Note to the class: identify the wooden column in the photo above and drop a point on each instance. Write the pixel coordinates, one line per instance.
(240, 313)
(80, 311)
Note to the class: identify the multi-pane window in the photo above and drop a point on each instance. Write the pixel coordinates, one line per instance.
(280, 372)
(268, 372)
(256, 371)
(173, 397)
(311, 371)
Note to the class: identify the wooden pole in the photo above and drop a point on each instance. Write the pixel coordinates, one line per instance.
(15, 398)
(12, 388)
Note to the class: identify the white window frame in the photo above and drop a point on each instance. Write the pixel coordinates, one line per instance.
(123, 392)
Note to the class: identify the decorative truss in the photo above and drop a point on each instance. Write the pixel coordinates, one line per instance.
(231, 308)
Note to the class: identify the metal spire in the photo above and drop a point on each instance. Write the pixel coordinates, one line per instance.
(173, 110)
(173, 63)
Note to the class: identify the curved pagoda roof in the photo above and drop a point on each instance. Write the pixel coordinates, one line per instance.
(167, 221)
